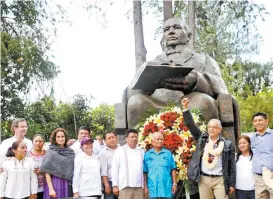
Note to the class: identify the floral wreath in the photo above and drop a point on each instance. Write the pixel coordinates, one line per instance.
(177, 137)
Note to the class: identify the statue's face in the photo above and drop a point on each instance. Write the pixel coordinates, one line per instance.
(174, 32)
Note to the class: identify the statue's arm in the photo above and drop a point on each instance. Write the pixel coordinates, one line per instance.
(212, 78)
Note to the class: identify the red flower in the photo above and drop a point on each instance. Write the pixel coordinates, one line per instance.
(150, 128)
(172, 141)
(185, 128)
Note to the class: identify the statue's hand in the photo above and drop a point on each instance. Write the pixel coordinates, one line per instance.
(185, 84)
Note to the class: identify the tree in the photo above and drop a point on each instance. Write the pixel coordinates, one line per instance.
(45, 115)
(102, 118)
(247, 78)
(25, 50)
(227, 29)
(262, 102)
(41, 117)
(167, 9)
(140, 50)
(191, 10)
(22, 63)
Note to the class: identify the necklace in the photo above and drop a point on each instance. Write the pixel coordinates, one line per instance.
(211, 154)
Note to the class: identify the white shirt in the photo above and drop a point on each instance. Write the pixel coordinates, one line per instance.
(18, 179)
(7, 143)
(76, 146)
(215, 171)
(244, 175)
(106, 158)
(87, 178)
(135, 167)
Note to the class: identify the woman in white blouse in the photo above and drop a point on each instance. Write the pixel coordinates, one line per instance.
(87, 178)
(18, 179)
(244, 177)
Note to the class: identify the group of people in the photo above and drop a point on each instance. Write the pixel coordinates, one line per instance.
(216, 169)
(92, 168)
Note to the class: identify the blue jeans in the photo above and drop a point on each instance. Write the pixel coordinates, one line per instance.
(111, 196)
(241, 194)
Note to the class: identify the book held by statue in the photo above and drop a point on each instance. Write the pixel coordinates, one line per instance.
(150, 74)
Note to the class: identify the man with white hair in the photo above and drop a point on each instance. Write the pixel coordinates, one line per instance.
(213, 164)
(19, 127)
(159, 170)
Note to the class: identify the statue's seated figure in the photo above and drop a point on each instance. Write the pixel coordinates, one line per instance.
(204, 85)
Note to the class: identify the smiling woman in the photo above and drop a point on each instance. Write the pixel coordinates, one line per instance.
(57, 178)
(244, 175)
(18, 179)
(87, 178)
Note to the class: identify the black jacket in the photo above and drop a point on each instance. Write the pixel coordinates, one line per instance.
(228, 155)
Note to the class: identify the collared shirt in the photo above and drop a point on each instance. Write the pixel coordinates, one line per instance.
(106, 158)
(159, 167)
(87, 178)
(18, 179)
(119, 171)
(76, 146)
(218, 169)
(262, 149)
(7, 143)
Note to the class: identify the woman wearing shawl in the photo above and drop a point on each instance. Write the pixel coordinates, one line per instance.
(58, 164)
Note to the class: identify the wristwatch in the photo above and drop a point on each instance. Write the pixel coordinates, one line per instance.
(174, 184)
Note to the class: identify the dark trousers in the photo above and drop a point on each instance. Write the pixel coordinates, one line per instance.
(40, 195)
(111, 196)
(241, 194)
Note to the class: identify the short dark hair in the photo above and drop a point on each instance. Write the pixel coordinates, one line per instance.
(260, 114)
(108, 132)
(130, 131)
(53, 136)
(84, 128)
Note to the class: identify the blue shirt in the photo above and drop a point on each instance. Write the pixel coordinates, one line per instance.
(262, 148)
(159, 167)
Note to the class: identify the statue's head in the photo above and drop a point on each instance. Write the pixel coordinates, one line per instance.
(176, 32)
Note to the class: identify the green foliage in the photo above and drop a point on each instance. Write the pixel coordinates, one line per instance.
(41, 117)
(45, 115)
(102, 118)
(22, 62)
(226, 29)
(247, 78)
(25, 50)
(262, 102)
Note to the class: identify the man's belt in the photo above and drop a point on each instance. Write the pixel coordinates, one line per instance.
(259, 174)
(210, 175)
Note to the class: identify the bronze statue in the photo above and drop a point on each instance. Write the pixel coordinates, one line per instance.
(204, 85)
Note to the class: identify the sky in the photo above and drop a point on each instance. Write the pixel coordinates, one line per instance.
(96, 55)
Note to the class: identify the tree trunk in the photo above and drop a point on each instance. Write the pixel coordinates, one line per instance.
(140, 50)
(191, 4)
(167, 9)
